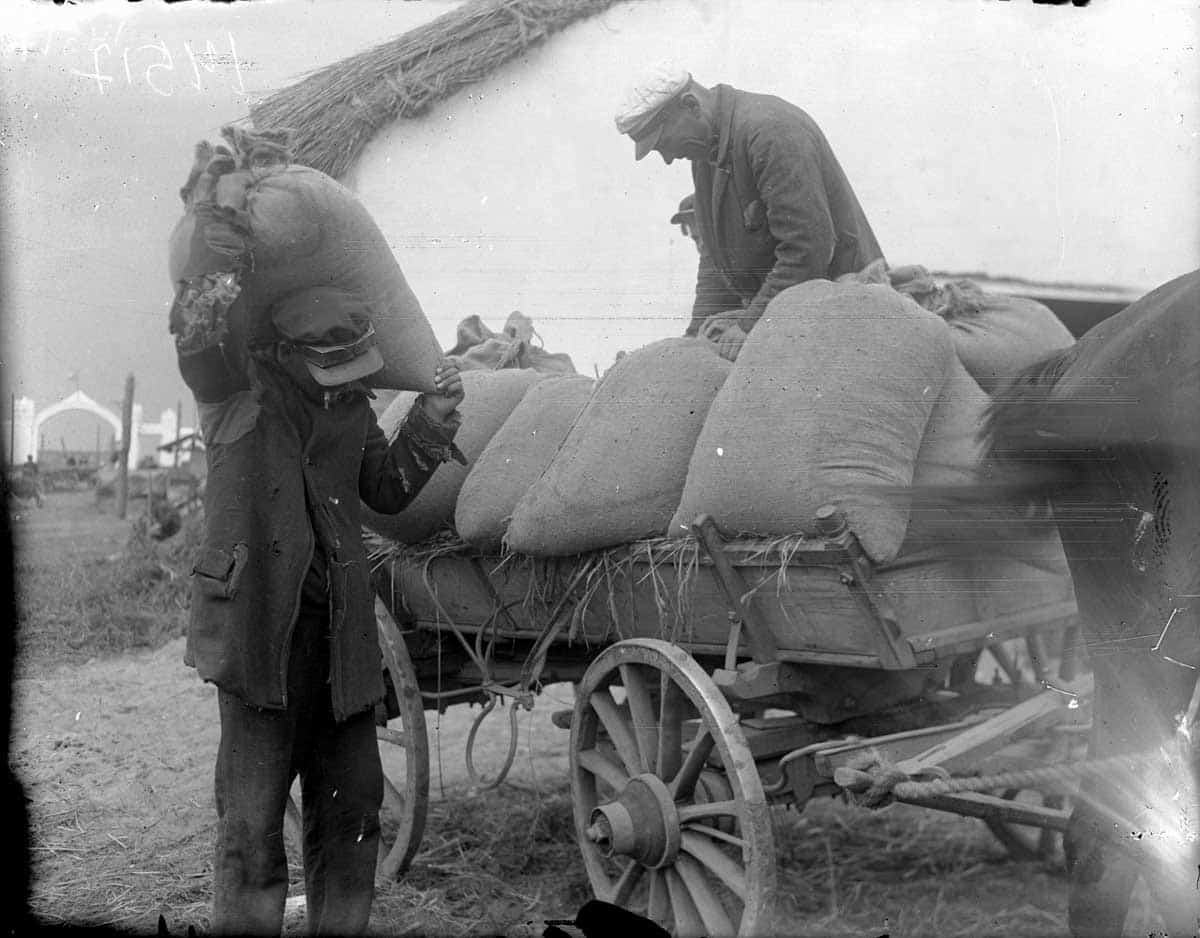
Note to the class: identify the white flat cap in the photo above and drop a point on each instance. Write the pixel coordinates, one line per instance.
(645, 98)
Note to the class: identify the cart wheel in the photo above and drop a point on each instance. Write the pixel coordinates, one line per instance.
(404, 754)
(1030, 843)
(669, 809)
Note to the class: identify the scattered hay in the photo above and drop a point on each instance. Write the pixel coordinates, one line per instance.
(78, 608)
(334, 112)
(844, 871)
(489, 863)
(584, 599)
(87, 876)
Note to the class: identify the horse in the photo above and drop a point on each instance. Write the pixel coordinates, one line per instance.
(1103, 439)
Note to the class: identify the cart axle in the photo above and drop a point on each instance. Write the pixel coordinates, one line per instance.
(642, 823)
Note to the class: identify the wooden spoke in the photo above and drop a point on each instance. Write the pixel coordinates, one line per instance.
(641, 713)
(713, 859)
(685, 794)
(617, 727)
(688, 923)
(392, 796)
(684, 781)
(712, 913)
(701, 828)
(624, 886)
(603, 768)
(385, 734)
(671, 712)
(693, 812)
(293, 829)
(658, 902)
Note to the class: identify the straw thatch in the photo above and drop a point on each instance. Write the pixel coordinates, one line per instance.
(334, 112)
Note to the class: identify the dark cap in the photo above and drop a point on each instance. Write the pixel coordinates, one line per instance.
(332, 331)
(687, 210)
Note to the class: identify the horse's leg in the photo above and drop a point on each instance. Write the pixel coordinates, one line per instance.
(1136, 698)
(1100, 877)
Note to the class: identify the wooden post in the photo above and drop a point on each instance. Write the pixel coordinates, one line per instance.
(178, 433)
(126, 433)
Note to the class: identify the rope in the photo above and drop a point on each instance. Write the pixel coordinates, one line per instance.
(478, 783)
(874, 782)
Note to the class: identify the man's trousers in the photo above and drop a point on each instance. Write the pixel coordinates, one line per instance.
(261, 753)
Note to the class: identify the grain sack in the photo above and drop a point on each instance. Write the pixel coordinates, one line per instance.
(948, 456)
(827, 404)
(1004, 336)
(490, 397)
(620, 471)
(202, 241)
(298, 228)
(513, 347)
(516, 457)
(995, 335)
(999, 536)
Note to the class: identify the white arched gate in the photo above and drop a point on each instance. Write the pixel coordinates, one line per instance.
(80, 401)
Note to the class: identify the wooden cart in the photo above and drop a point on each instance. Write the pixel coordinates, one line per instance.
(717, 678)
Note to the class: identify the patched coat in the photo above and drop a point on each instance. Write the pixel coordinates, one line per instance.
(773, 208)
(286, 472)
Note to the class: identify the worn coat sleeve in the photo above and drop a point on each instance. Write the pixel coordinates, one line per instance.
(713, 294)
(393, 474)
(787, 165)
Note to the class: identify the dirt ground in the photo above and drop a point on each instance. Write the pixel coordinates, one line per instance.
(116, 755)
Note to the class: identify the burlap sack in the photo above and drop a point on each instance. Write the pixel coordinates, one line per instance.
(1005, 336)
(286, 228)
(827, 404)
(620, 471)
(490, 397)
(309, 230)
(948, 456)
(513, 347)
(516, 457)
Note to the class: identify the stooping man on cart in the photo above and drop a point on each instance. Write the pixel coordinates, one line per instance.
(772, 205)
(282, 616)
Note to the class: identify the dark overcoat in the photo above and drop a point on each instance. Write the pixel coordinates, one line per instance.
(287, 470)
(773, 207)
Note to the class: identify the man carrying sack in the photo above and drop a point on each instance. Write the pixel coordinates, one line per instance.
(282, 615)
(773, 207)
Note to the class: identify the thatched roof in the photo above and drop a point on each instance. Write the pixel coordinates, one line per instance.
(334, 112)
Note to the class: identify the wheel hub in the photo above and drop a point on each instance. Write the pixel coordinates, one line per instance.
(642, 823)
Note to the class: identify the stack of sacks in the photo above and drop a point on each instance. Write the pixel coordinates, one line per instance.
(490, 397)
(516, 457)
(619, 473)
(996, 336)
(827, 404)
(285, 228)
